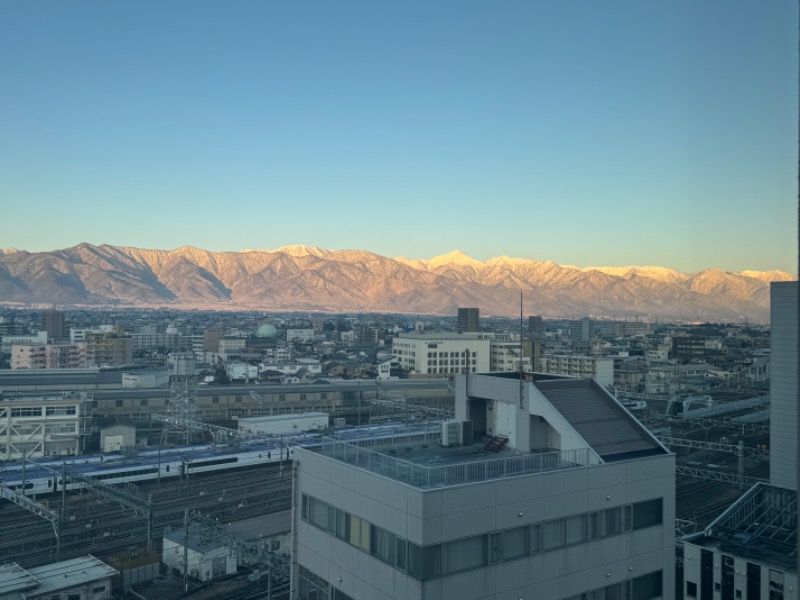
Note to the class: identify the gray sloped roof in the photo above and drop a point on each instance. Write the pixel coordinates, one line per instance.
(70, 573)
(599, 419)
(14, 578)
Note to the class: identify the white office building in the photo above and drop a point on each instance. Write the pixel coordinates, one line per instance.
(442, 354)
(570, 499)
(577, 365)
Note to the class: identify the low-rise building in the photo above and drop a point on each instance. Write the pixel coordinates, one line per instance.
(284, 424)
(582, 366)
(38, 339)
(83, 578)
(300, 334)
(204, 558)
(145, 379)
(48, 356)
(35, 427)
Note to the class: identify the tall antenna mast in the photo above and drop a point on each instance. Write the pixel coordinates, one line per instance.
(521, 368)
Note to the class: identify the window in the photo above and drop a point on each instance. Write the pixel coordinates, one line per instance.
(215, 400)
(647, 586)
(515, 543)
(383, 545)
(118, 403)
(613, 521)
(575, 529)
(318, 513)
(536, 538)
(26, 412)
(143, 402)
(646, 514)
(401, 549)
(52, 411)
(465, 554)
(691, 589)
(553, 535)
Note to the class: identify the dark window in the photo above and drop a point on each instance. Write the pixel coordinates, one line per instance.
(753, 581)
(647, 513)
(706, 575)
(691, 589)
(727, 576)
(647, 586)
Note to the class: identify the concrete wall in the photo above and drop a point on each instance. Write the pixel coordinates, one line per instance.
(783, 387)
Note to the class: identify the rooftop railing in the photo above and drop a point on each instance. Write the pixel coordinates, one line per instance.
(363, 454)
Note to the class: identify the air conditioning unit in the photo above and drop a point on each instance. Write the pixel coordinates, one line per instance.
(456, 433)
(451, 431)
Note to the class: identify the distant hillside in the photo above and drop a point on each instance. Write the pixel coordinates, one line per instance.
(311, 278)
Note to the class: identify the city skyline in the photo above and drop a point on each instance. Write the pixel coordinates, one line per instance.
(611, 135)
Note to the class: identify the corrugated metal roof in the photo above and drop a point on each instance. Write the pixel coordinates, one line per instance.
(69, 573)
(598, 418)
(14, 578)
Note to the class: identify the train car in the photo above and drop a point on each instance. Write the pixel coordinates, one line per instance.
(43, 477)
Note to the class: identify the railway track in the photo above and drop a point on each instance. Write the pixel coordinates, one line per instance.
(103, 527)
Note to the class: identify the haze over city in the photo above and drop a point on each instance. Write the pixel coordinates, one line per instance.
(614, 133)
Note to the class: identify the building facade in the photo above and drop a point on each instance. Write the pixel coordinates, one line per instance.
(48, 356)
(468, 320)
(783, 386)
(36, 427)
(108, 349)
(442, 354)
(578, 365)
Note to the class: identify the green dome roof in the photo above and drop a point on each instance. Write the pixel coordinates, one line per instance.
(266, 330)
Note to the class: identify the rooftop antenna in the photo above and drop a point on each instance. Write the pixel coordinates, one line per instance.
(521, 368)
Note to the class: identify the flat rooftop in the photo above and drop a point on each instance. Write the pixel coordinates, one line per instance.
(418, 460)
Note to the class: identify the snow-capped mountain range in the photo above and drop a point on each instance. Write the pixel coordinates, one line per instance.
(315, 279)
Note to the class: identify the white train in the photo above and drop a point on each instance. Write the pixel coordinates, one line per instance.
(44, 477)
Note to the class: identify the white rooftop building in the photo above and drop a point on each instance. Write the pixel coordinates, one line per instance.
(84, 578)
(544, 488)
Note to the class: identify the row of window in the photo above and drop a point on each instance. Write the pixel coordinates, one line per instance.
(60, 428)
(436, 560)
(50, 411)
(644, 587)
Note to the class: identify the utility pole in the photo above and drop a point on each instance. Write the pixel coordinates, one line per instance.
(186, 550)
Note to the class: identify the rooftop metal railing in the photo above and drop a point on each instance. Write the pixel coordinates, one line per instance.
(362, 454)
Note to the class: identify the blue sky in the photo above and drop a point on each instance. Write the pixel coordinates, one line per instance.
(659, 132)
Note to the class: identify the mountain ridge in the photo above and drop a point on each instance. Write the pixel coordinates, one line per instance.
(312, 278)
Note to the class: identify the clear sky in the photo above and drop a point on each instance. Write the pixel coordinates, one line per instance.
(613, 132)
